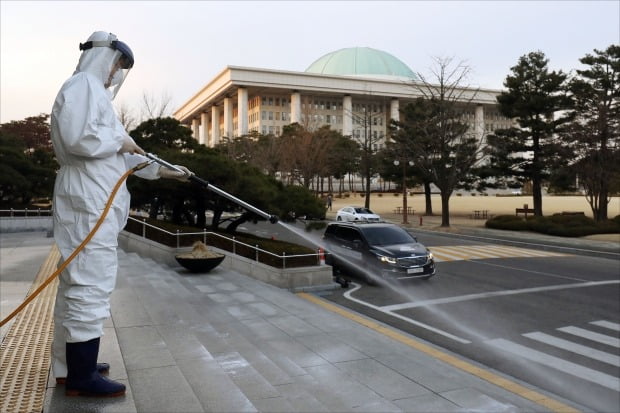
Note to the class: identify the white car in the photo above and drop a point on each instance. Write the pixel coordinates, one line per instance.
(351, 213)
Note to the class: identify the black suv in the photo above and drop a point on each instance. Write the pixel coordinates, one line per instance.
(376, 251)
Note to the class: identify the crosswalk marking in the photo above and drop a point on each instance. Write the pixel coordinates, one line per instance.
(575, 348)
(606, 324)
(557, 363)
(476, 252)
(590, 335)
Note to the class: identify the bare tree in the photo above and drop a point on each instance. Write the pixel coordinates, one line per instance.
(125, 115)
(445, 147)
(368, 140)
(153, 107)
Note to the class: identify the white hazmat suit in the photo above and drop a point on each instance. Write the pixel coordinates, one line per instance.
(93, 150)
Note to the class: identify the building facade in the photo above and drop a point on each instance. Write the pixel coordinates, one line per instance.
(349, 90)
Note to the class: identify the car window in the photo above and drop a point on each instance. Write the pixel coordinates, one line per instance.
(363, 211)
(387, 236)
(348, 234)
(330, 230)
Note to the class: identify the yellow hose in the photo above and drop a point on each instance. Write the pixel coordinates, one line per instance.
(90, 235)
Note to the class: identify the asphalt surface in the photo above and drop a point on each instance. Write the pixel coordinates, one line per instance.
(542, 309)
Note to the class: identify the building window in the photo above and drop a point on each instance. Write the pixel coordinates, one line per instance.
(263, 115)
(277, 101)
(284, 117)
(270, 115)
(270, 101)
(328, 119)
(264, 130)
(271, 130)
(277, 115)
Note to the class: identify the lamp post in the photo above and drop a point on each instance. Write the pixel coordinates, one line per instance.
(396, 163)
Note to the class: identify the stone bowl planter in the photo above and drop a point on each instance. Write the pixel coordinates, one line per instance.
(194, 264)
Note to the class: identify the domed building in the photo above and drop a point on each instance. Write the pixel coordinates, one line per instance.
(355, 91)
(362, 61)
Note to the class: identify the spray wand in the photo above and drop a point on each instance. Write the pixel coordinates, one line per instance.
(272, 218)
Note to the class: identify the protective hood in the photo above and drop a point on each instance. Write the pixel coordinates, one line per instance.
(105, 63)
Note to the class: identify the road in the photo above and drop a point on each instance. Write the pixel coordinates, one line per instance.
(550, 319)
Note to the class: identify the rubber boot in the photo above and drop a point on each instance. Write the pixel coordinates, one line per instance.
(102, 368)
(83, 379)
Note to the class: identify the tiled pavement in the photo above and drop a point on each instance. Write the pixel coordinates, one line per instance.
(224, 342)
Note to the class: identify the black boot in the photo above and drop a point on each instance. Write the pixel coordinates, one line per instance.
(83, 379)
(102, 368)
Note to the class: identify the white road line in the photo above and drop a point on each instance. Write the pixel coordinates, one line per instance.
(575, 348)
(469, 297)
(476, 252)
(348, 296)
(606, 324)
(525, 251)
(506, 252)
(447, 254)
(590, 335)
(557, 363)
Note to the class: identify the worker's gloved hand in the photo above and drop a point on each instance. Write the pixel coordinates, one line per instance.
(130, 146)
(179, 176)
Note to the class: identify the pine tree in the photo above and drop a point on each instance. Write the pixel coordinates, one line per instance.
(535, 99)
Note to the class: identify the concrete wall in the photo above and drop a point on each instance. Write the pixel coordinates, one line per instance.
(294, 279)
(25, 224)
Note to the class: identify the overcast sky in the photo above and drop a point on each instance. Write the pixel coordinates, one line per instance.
(179, 46)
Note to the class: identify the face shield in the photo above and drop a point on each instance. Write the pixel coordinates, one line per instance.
(122, 61)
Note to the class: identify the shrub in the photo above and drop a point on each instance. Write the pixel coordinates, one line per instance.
(509, 222)
(557, 224)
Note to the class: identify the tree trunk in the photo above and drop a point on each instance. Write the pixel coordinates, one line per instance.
(602, 203)
(367, 200)
(536, 179)
(445, 209)
(217, 216)
(232, 227)
(428, 199)
(201, 219)
(537, 196)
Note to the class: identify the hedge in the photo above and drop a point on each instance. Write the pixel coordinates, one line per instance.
(557, 224)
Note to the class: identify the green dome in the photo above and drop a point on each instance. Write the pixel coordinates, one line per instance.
(361, 61)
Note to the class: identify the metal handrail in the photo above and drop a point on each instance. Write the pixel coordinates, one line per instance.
(204, 233)
(25, 211)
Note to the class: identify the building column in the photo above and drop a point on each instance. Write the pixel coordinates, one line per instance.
(347, 115)
(394, 114)
(196, 129)
(479, 122)
(228, 117)
(296, 107)
(242, 111)
(204, 129)
(215, 126)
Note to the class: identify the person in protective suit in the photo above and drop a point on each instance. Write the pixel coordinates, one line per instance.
(94, 151)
